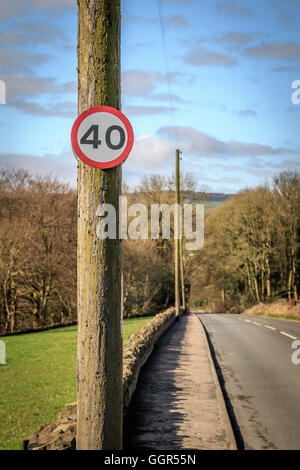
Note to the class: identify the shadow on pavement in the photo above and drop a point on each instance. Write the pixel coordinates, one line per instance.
(152, 418)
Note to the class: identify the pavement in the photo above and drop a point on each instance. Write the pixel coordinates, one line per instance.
(261, 383)
(178, 403)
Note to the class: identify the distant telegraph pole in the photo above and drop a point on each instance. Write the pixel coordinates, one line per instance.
(182, 274)
(99, 358)
(179, 271)
(177, 232)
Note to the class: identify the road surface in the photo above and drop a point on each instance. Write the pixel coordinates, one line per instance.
(261, 382)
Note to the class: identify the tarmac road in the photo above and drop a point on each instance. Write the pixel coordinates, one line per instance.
(261, 382)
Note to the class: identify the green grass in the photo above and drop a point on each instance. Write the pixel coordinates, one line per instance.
(39, 379)
(211, 205)
(132, 325)
(277, 316)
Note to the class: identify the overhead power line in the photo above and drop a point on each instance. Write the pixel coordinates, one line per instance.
(166, 58)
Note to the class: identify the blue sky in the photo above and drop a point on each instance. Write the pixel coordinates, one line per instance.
(229, 69)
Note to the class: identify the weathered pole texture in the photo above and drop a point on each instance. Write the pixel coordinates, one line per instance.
(176, 235)
(99, 356)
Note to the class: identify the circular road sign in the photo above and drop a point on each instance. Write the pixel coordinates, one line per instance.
(102, 137)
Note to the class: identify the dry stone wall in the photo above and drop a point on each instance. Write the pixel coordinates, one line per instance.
(61, 434)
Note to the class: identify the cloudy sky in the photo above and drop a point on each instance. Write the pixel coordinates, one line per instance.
(216, 84)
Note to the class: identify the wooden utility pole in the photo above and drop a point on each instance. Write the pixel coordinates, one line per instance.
(176, 237)
(99, 357)
(182, 274)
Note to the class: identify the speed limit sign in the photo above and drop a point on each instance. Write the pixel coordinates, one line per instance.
(102, 137)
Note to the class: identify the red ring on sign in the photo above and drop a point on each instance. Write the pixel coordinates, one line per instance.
(82, 156)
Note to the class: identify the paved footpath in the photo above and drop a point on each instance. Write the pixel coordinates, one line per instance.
(178, 403)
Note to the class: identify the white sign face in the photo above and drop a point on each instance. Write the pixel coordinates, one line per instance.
(2, 353)
(102, 137)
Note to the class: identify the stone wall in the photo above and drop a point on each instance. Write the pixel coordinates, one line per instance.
(138, 348)
(61, 434)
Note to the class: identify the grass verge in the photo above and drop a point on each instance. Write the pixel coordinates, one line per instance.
(277, 316)
(279, 309)
(39, 379)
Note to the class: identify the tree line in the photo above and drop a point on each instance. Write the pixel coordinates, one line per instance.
(37, 252)
(38, 232)
(251, 249)
(250, 253)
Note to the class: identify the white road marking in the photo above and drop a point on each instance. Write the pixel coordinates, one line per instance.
(285, 334)
(255, 323)
(248, 321)
(270, 327)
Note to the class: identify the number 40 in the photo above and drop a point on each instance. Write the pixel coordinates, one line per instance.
(95, 142)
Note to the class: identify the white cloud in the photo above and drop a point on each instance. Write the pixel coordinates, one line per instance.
(142, 82)
(18, 8)
(131, 110)
(204, 57)
(178, 21)
(198, 143)
(286, 69)
(24, 86)
(235, 37)
(275, 50)
(62, 166)
(22, 89)
(52, 3)
(20, 60)
(155, 154)
(179, 1)
(150, 153)
(233, 9)
(30, 33)
(61, 108)
(247, 112)
(167, 97)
